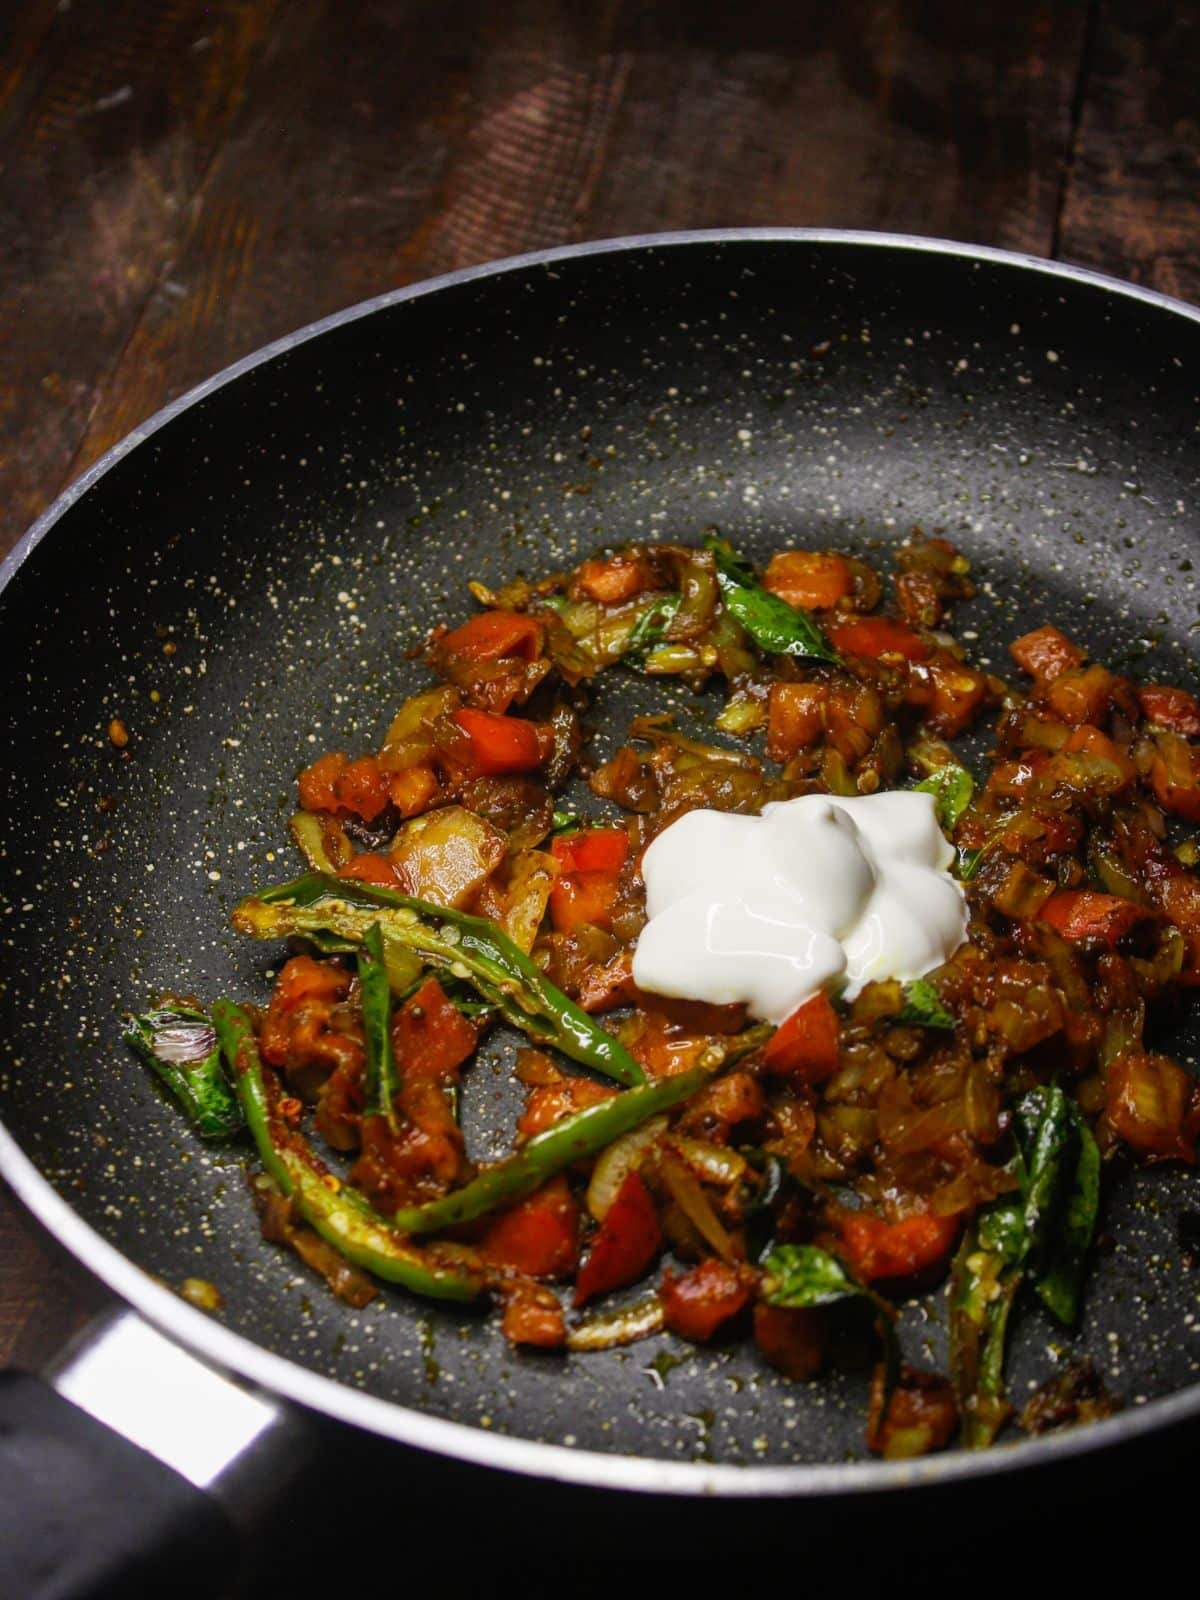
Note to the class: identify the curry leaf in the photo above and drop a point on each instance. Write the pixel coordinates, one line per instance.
(923, 1008)
(800, 1277)
(775, 626)
(650, 628)
(951, 787)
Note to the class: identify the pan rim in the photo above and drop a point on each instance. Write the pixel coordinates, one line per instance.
(243, 1358)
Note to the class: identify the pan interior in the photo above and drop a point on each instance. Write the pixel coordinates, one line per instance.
(244, 590)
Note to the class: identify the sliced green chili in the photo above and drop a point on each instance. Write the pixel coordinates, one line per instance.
(178, 1043)
(470, 948)
(574, 1137)
(339, 1214)
(381, 1080)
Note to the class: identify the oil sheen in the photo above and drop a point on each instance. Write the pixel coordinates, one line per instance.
(816, 893)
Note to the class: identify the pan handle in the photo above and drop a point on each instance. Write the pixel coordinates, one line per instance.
(134, 1467)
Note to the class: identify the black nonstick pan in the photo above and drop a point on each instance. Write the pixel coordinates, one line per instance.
(241, 583)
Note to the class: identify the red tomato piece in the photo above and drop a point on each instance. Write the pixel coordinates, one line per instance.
(548, 1103)
(812, 580)
(371, 868)
(362, 788)
(699, 1302)
(317, 782)
(1081, 694)
(805, 1047)
(625, 1243)
(795, 718)
(791, 1338)
(495, 636)
(1147, 1099)
(539, 1236)
(591, 850)
(1045, 653)
(1087, 914)
(1171, 708)
(413, 789)
(875, 636)
(533, 1316)
(873, 1248)
(498, 744)
(430, 1036)
(1175, 776)
(609, 582)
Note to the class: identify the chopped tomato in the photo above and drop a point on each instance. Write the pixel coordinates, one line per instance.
(297, 1031)
(922, 1415)
(413, 789)
(1147, 1099)
(625, 1243)
(1175, 709)
(875, 636)
(591, 850)
(371, 868)
(1045, 653)
(533, 1316)
(548, 1103)
(430, 1036)
(335, 783)
(795, 718)
(805, 1047)
(873, 1248)
(813, 580)
(698, 1303)
(495, 636)
(1081, 694)
(619, 578)
(586, 886)
(498, 744)
(958, 692)
(581, 897)
(1175, 776)
(539, 1236)
(1087, 914)
(1091, 741)
(317, 782)
(791, 1339)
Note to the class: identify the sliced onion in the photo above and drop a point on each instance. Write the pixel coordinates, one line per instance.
(694, 1203)
(714, 1163)
(618, 1161)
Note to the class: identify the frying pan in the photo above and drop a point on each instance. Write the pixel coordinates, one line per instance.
(241, 582)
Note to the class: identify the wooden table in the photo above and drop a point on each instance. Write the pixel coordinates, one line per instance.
(182, 181)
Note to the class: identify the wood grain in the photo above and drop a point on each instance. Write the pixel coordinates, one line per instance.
(1133, 201)
(109, 116)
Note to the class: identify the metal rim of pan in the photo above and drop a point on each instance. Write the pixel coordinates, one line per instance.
(245, 1359)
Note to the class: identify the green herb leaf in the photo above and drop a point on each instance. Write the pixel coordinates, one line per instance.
(923, 1008)
(800, 1276)
(180, 1045)
(1060, 1281)
(564, 822)
(952, 787)
(775, 626)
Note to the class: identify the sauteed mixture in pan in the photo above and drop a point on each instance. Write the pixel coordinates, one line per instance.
(906, 1044)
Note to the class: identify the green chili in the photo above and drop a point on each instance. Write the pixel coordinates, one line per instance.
(178, 1043)
(339, 1214)
(470, 948)
(382, 1082)
(574, 1137)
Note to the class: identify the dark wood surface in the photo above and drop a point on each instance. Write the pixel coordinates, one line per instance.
(182, 181)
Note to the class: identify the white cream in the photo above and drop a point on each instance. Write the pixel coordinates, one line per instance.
(817, 893)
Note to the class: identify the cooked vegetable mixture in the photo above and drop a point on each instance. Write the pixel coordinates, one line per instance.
(677, 1165)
